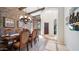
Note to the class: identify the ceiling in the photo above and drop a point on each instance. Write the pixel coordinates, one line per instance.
(30, 9)
(33, 10)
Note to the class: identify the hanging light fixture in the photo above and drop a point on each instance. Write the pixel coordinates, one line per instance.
(25, 19)
(29, 18)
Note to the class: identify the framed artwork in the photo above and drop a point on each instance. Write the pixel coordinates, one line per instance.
(73, 22)
(9, 22)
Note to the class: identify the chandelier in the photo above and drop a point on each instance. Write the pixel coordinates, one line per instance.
(25, 19)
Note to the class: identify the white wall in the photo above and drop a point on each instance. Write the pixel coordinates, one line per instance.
(30, 9)
(71, 37)
(49, 15)
(60, 26)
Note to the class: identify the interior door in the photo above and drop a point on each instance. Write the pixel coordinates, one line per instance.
(46, 28)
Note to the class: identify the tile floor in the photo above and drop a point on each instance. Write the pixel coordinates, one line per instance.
(47, 44)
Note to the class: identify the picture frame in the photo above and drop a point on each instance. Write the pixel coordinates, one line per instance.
(73, 24)
(1, 23)
(9, 22)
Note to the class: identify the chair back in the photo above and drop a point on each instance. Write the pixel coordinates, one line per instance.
(24, 37)
(8, 30)
(18, 30)
(34, 34)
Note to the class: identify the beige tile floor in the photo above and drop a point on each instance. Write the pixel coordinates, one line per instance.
(51, 45)
(47, 44)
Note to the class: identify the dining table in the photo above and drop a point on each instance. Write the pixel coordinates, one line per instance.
(10, 39)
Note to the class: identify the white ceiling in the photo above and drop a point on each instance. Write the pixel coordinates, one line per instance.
(36, 13)
(30, 9)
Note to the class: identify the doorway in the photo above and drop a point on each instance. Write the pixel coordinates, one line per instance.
(46, 28)
(55, 27)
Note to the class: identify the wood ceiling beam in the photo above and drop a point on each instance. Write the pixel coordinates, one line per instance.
(36, 10)
(21, 8)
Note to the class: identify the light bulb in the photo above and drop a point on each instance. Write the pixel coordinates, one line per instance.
(20, 17)
(29, 18)
(25, 16)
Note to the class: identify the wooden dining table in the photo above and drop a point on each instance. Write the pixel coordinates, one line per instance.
(10, 39)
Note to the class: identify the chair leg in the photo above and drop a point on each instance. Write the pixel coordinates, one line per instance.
(27, 47)
(35, 41)
(31, 44)
(19, 49)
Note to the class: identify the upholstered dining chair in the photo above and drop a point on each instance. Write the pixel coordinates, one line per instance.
(33, 37)
(3, 45)
(8, 30)
(18, 30)
(23, 41)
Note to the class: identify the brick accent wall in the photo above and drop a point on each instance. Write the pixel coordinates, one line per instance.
(11, 12)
